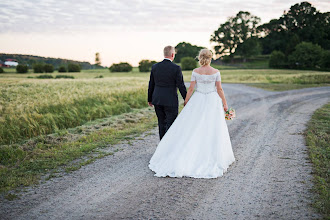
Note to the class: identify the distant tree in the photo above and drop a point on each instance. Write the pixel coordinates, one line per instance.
(306, 56)
(292, 43)
(145, 65)
(97, 59)
(121, 67)
(62, 69)
(49, 68)
(277, 59)
(301, 23)
(72, 67)
(234, 32)
(185, 49)
(38, 68)
(250, 47)
(1, 70)
(22, 68)
(188, 63)
(31, 60)
(325, 61)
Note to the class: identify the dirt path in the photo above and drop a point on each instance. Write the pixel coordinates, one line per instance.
(270, 179)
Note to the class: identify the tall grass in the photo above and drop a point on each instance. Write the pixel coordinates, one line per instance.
(33, 108)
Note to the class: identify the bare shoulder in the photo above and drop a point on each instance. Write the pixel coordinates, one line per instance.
(196, 69)
(214, 70)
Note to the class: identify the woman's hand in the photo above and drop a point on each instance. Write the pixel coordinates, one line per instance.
(225, 107)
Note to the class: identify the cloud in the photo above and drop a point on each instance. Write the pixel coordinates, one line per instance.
(139, 15)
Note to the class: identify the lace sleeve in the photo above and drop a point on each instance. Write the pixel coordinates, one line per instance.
(193, 77)
(218, 77)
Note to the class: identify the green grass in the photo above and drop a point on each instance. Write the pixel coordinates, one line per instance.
(318, 139)
(23, 165)
(284, 87)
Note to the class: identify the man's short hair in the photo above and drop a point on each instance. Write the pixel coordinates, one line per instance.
(168, 50)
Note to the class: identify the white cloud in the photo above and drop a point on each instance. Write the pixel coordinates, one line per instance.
(177, 15)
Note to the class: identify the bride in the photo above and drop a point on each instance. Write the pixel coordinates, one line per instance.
(198, 143)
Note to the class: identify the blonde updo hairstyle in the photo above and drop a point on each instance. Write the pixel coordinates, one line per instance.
(205, 57)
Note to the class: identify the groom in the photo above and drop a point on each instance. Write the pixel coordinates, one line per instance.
(165, 78)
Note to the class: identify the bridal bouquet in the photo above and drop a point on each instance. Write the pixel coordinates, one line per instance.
(230, 114)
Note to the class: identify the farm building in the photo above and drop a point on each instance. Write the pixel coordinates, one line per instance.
(9, 63)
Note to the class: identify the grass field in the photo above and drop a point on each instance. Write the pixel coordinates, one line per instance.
(318, 138)
(47, 123)
(30, 107)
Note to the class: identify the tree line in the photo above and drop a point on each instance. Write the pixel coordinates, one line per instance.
(31, 60)
(300, 38)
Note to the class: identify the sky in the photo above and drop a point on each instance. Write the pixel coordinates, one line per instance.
(121, 30)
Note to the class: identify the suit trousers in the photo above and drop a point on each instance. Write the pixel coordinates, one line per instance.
(166, 116)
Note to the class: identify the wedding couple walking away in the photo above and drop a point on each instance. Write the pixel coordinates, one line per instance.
(195, 143)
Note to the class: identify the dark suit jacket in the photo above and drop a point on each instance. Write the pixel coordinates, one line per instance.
(165, 78)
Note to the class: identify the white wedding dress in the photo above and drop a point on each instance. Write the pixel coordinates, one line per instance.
(198, 143)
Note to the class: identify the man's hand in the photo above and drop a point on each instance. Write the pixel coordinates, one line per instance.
(150, 104)
(185, 103)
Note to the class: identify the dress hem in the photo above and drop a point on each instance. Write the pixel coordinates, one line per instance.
(166, 174)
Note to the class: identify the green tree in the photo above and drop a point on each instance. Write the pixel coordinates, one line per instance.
(38, 68)
(97, 59)
(306, 56)
(185, 49)
(301, 23)
(250, 47)
(145, 65)
(277, 59)
(49, 68)
(121, 67)
(22, 68)
(1, 70)
(291, 45)
(72, 67)
(234, 32)
(62, 69)
(325, 61)
(188, 63)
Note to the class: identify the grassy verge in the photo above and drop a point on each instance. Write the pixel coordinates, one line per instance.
(318, 139)
(284, 87)
(68, 150)
(273, 79)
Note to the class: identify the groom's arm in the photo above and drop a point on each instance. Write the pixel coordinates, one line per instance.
(151, 86)
(180, 83)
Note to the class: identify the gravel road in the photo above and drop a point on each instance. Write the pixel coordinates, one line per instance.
(270, 179)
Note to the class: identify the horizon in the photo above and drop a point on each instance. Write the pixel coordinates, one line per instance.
(121, 31)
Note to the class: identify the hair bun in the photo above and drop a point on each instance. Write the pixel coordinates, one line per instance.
(205, 57)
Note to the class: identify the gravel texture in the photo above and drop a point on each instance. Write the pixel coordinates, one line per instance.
(270, 179)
